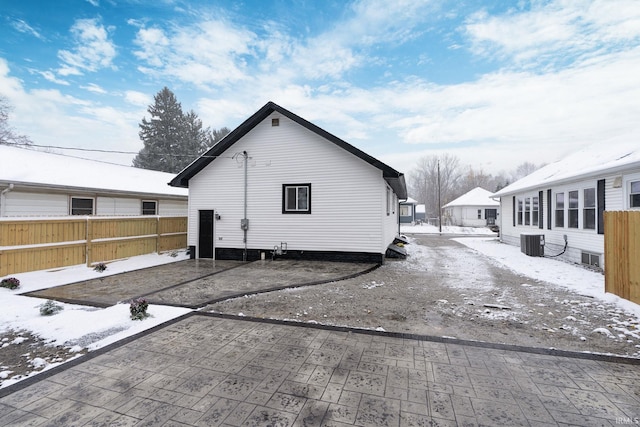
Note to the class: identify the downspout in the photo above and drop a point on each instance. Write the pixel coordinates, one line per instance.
(245, 226)
(3, 209)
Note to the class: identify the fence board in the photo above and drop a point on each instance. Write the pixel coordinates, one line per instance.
(39, 244)
(621, 251)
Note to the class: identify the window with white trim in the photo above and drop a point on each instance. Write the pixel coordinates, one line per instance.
(535, 210)
(81, 206)
(527, 211)
(572, 211)
(296, 198)
(589, 209)
(559, 210)
(634, 194)
(520, 212)
(405, 210)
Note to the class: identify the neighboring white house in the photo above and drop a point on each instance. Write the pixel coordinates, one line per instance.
(408, 211)
(35, 183)
(278, 184)
(568, 199)
(473, 209)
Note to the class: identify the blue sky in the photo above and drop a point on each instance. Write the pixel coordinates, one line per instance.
(495, 83)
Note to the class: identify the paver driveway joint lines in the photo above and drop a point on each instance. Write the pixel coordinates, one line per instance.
(445, 340)
(291, 286)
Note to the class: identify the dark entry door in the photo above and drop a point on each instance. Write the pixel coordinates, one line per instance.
(205, 235)
(491, 215)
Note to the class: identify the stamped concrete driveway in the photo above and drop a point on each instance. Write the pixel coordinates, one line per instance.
(195, 283)
(205, 370)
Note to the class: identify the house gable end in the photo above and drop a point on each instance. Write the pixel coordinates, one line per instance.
(394, 178)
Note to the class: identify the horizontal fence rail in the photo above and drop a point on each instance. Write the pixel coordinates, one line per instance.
(40, 244)
(621, 254)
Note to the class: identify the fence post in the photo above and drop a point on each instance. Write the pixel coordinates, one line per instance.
(158, 231)
(88, 243)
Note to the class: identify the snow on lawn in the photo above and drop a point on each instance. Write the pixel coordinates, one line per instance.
(561, 273)
(76, 325)
(447, 229)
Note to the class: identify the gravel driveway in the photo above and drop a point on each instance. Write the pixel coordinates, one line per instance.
(452, 291)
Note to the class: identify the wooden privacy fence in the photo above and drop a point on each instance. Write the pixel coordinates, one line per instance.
(622, 254)
(38, 244)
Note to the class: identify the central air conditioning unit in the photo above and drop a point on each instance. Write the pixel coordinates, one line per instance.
(532, 244)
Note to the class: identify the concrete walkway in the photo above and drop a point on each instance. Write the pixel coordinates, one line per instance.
(206, 370)
(196, 283)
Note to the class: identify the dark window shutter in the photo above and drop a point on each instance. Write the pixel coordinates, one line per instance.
(514, 211)
(540, 210)
(601, 206)
(549, 209)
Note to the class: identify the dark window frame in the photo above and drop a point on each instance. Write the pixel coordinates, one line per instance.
(80, 210)
(296, 211)
(145, 211)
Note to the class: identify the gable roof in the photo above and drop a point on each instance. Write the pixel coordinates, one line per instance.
(596, 160)
(476, 197)
(394, 178)
(38, 169)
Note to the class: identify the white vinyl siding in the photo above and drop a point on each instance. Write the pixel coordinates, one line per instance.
(20, 204)
(286, 154)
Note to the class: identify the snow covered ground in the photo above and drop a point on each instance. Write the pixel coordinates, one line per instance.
(447, 229)
(78, 326)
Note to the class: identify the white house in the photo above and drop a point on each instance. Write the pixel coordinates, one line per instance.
(279, 185)
(475, 208)
(35, 183)
(564, 202)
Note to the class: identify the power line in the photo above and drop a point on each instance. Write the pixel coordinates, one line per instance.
(97, 150)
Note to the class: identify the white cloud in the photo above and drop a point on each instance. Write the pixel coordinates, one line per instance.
(50, 76)
(138, 98)
(23, 27)
(93, 49)
(92, 87)
(556, 31)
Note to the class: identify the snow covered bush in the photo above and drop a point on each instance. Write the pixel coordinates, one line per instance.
(100, 267)
(138, 309)
(10, 283)
(50, 307)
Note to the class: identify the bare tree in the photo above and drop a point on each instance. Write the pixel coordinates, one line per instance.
(424, 181)
(524, 169)
(7, 135)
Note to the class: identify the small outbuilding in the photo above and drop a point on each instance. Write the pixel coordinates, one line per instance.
(39, 184)
(280, 186)
(408, 211)
(475, 208)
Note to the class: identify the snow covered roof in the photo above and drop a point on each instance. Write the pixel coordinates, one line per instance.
(20, 166)
(476, 197)
(394, 178)
(409, 201)
(592, 161)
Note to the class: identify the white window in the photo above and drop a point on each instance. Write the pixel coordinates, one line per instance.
(520, 213)
(81, 206)
(634, 194)
(535, 210)
(572, 212)
(296, 198)
(559, 209)
(405, 210)
(589, 209)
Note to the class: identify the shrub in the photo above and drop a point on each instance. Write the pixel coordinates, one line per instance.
(100, 267)
(10, 283)
(138, 309)
(50, 308)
